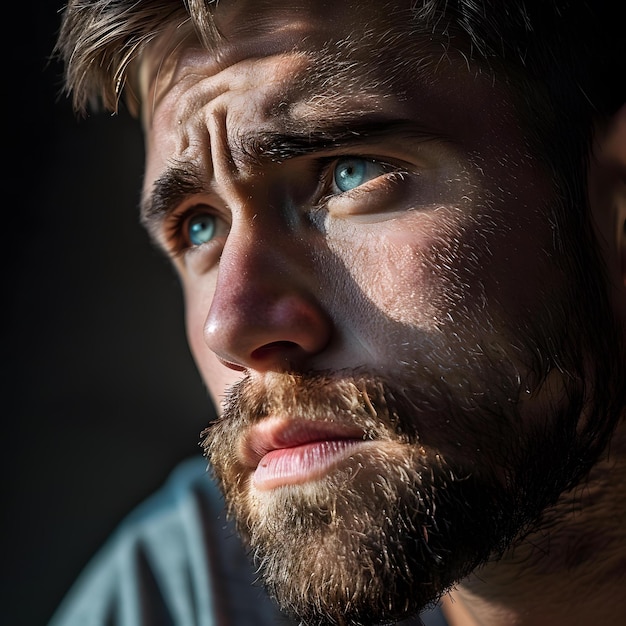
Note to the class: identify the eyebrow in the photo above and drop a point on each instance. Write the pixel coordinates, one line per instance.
(323, 137)
(169, 190)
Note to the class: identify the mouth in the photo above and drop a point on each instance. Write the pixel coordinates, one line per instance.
(290, 452)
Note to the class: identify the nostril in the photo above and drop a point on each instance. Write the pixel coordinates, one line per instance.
(276, 350)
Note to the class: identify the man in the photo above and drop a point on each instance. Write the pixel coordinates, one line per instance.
(399, 227)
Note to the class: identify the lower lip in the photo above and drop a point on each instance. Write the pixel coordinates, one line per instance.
(300, 464)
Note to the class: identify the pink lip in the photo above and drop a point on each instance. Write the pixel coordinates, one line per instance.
(287, 452)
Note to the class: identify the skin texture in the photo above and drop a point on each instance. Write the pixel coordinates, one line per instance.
(425, 312)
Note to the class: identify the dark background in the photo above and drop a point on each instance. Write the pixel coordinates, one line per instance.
(100, 395)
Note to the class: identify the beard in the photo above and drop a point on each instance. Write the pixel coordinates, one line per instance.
(451, 479)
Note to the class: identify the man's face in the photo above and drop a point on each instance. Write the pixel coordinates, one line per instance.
(365, 244)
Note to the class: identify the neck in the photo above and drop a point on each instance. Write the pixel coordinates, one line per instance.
(569, 572)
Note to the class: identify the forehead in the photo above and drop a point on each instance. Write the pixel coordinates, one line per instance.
(340, 47)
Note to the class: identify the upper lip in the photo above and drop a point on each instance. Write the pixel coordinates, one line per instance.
(275, 433)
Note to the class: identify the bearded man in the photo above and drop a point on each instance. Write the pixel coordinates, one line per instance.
(399, 228)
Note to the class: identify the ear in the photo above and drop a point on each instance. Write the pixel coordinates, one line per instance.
(607, 194)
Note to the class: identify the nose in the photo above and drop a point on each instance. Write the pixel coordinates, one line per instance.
(265, 314)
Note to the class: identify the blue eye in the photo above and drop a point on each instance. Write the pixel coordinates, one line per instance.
(351, 172)
(201, 229)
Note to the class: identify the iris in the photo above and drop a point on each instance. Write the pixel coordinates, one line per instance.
(351, 172)
(201, 229)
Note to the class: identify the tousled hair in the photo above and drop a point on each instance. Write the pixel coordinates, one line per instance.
(574, 47)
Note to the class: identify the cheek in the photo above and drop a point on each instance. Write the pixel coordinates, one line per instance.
(196, 309)
(217, 377)
(398, 281)
(399, 268)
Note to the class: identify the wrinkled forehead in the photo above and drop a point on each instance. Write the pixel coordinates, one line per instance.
(329, 37)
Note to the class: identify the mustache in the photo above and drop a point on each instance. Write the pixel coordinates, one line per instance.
(344, 396)
(419, 407)
(402, 410)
